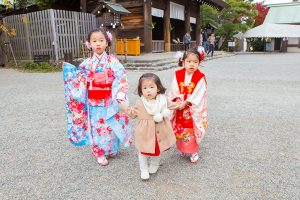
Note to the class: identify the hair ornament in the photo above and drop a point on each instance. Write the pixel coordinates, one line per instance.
(179, 55)
(109, 35)
(88, 45)
(201, 51)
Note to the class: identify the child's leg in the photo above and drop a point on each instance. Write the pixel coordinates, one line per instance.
(143, 161)
(154, 164)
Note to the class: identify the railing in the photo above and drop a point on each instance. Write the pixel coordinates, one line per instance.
(177, 47)
(181, 46)
(158, 46)
(193, 44)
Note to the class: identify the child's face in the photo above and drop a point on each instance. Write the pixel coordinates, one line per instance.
(98, 42)
(149, 88)
(191, 63)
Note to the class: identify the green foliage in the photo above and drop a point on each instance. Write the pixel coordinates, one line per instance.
(171, 27)
(22, 3)
(257, 44)
(230, 20)
(151, 24)
(208, 15)
(42, 4)
(233, 16)
(42, 67)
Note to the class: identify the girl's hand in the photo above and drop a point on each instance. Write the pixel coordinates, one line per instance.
(182, 105)
(124, 106)
(120, 101)
(172, 105)
(133, 110)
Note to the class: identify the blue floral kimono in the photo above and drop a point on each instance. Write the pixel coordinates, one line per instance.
(96, 122)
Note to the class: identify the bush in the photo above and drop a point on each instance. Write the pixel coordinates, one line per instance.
(257, 44)
(42, 67)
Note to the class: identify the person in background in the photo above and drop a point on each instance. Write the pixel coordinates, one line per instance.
(204, 42)
(212, 40)
(187, 41)
(201, 39)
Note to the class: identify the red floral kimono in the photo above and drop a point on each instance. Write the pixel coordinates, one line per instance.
(189, 124)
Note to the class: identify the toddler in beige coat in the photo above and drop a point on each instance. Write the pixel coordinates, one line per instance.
(154, 133)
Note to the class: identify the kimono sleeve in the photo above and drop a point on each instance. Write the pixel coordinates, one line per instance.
(120, 84)
(76, 105)
(79, 89)
(119, 87)
(173, 92)
(197, 96)
(199, 109)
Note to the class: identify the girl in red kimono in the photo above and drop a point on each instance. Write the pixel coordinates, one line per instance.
(188, 89)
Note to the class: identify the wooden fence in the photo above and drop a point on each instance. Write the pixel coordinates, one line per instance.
(49, 32)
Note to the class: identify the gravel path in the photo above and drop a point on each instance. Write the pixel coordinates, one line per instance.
(251, 150)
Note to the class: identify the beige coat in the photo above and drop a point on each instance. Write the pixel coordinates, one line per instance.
(147, 129)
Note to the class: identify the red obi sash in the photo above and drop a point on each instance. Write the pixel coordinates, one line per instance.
(100, 85)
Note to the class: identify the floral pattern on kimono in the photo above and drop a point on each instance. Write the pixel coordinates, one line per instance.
(96, 122)
(193, 92)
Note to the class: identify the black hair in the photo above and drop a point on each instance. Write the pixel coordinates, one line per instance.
(103, 31)
(161, 89)
(193, 50)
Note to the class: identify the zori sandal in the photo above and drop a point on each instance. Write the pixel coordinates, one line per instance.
(102, 160)
(194, 157)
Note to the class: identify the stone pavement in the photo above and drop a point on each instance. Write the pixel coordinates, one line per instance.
(251, 149)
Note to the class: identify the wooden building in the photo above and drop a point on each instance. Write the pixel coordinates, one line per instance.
(157, 22)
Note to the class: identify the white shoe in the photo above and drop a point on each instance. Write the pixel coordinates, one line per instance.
(153, 169)
(145, 175)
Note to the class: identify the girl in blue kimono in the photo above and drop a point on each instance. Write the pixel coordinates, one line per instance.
(92, 92)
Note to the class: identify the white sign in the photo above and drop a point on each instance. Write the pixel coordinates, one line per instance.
(231, 44)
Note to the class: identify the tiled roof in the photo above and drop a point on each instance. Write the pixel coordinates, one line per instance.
(284, 14)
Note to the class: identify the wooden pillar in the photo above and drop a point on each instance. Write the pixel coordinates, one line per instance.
(167, 31)
(82, 5)
(187, 15)
(147, 28)
(114, 32)
(198, 24)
